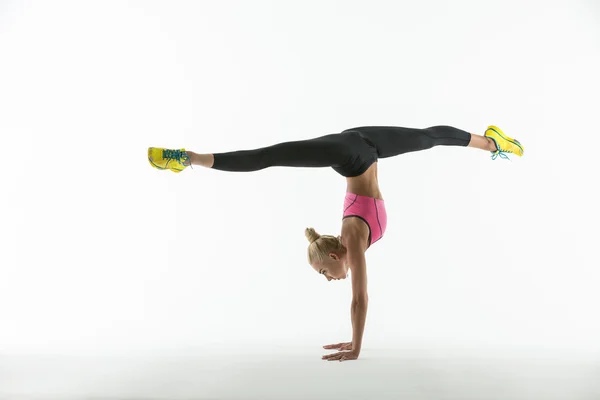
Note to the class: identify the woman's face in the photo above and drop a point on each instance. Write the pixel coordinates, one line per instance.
(334, 267)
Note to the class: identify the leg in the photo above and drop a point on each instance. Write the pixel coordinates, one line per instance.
(482, 142)
(205, 160)
(392, 141)
(325, 151)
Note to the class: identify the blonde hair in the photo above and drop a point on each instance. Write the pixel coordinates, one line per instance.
(321, 245)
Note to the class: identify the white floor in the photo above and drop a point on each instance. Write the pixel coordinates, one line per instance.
(379, 374)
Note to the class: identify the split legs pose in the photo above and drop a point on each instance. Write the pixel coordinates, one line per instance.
(349, 153)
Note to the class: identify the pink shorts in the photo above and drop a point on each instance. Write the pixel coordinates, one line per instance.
(370, 210)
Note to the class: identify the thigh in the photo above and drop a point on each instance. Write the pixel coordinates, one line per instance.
(392, 140)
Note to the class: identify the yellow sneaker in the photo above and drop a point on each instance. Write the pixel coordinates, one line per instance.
(504, 144)
(175, 160)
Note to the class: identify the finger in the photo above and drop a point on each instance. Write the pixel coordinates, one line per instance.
(331, 356)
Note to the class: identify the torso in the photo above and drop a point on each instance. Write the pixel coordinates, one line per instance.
(365, 184)
(354, 230)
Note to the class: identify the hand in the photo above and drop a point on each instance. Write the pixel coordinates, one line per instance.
(339, 346)
(342, 355)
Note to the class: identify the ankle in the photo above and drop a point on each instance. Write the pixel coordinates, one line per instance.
(204, 160)
(188, 162)
(491, 144)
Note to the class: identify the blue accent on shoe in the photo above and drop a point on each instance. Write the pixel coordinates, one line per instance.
(499, 152)
(502, 154)
(177, 155)
(156, 166)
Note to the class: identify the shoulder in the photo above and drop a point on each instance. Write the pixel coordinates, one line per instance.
(356, 246)
(355, 233)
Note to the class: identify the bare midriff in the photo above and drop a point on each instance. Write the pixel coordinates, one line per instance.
(365, 184)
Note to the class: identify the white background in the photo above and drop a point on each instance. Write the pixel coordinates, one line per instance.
(102, 254)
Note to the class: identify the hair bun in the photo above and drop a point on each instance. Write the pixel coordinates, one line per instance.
(311, 235)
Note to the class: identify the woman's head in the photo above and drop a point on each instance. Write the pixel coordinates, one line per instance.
(327, 255)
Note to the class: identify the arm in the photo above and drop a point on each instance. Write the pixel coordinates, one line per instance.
(360, 298)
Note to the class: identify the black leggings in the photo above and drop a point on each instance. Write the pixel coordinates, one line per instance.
(349, 153)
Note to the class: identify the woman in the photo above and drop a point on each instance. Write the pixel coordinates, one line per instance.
(353, 154)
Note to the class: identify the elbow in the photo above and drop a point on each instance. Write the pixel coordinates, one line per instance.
(362, 298)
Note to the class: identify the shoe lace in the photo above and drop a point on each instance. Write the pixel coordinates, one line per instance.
(177, 155)
(500, 153)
